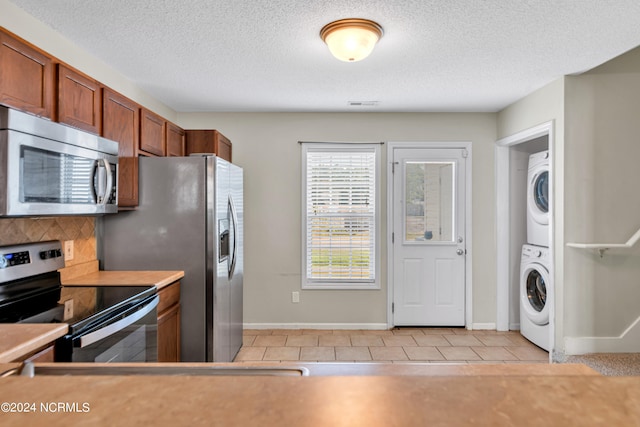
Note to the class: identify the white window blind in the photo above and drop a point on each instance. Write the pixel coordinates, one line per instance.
(341, 215)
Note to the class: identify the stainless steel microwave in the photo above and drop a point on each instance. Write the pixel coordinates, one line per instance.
(47, 168)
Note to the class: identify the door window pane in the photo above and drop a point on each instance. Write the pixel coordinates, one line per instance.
(429, 201)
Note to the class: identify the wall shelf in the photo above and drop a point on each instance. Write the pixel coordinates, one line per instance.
(603, 247)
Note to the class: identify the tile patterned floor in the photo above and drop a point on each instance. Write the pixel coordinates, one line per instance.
(402, 345)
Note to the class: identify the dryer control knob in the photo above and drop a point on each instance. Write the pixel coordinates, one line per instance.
(537, 253)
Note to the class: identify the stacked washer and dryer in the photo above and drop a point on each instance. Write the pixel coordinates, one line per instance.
(536, 288)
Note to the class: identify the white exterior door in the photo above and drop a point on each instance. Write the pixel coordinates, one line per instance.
(429, 241)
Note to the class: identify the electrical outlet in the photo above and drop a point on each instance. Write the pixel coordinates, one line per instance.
(68, 250)
(295, 297)
(68, 309)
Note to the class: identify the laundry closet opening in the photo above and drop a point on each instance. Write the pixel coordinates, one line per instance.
(525, 250)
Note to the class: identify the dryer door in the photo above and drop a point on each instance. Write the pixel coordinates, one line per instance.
(534, 288)
(538, 195)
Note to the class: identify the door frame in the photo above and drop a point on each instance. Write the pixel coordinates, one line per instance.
(468, 299)
(503, 203)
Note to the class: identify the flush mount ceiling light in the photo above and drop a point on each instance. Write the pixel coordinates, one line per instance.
(351, 40)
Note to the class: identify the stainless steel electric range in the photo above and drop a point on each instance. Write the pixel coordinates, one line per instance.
(106, 323)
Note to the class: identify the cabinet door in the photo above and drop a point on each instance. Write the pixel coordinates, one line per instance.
(152, 133)
(43, 355)
(169, 335)
(26, 77)
(169, 323)
(79, 100)
(208, 141)
(121, 123)
(169, 295)
(175, 141)
(199, 141)
(223, 146)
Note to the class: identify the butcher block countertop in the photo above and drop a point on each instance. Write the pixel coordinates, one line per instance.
(21, 339)
(119, 278)
(499, 400)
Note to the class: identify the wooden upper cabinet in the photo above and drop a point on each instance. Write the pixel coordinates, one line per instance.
(27, 77)
(121, 123)
(208, 141)
(152, 133)
(223, 146)
(175, 141)
(79, 100)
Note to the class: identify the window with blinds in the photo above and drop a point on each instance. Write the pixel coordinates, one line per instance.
(340, 215)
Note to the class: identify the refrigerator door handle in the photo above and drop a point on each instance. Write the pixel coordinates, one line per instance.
(234, 222)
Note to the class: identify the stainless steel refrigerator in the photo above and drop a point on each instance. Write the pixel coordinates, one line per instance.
(190, 217)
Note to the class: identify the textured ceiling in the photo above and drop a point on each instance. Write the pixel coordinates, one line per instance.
(266, 55)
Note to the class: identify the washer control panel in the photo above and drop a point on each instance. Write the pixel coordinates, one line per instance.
(531, 252)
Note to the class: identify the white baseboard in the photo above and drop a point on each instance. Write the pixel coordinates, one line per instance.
(354, 326)
(514, 326)
(627, 342)
(483, 326)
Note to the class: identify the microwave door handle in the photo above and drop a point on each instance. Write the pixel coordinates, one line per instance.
(109, 182)
(96, 181)
(115, 327)
(102, 196)
(234, 222)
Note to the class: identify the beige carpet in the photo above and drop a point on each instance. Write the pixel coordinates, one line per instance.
(611, 364)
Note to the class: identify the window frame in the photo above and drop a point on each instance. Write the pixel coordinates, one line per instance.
(346, 284)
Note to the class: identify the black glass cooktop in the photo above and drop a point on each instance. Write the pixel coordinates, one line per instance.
(23, 298)
(45, 301)
(85, 306)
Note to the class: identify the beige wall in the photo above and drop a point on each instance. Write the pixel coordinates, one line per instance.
(266, 145)
(541, 106)
(602, 296)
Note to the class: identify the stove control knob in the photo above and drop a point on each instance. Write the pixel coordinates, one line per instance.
(44, 255)
(3, 262)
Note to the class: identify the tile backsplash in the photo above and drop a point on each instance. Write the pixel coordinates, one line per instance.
(79, 229)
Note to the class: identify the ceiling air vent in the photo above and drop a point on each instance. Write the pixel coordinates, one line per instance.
(363, 103)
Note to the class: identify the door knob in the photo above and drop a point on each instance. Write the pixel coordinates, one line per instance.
(460, 251)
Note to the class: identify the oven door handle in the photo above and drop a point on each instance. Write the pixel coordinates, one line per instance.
(115, 327)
